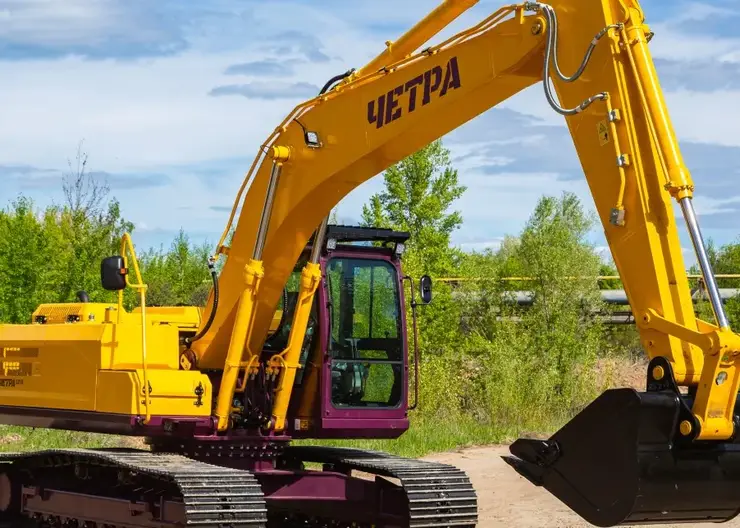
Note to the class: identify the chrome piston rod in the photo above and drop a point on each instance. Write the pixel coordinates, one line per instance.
(318, 241)
(697, 240)
(259, 245)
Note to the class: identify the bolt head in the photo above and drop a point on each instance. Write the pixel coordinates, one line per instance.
(536, 28)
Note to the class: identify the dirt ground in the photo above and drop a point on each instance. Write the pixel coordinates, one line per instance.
(506, 499)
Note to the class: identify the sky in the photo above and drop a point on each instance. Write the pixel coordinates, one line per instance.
(171, 100)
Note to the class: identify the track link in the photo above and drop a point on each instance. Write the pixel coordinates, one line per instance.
(439, 495)
(174, 490)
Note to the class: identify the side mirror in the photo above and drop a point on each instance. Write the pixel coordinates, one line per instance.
(113, 273)
(425, 289)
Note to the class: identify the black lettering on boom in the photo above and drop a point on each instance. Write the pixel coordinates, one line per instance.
(411, 87)
(390, 106)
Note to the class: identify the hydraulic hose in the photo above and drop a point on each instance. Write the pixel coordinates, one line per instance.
(214, 278)
(551, 54)
(335, 80)
(212, 261)
(281, 324)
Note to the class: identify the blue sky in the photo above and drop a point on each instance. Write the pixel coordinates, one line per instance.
(173, 98)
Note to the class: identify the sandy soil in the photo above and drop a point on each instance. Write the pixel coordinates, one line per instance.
(506, 499)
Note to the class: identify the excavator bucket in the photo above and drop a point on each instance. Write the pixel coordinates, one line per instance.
(620, 461)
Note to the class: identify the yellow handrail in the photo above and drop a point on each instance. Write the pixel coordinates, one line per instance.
(126, 243)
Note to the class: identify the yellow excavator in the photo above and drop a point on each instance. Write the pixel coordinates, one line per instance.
(304, 334)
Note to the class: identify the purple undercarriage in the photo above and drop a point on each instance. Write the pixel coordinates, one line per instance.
(308, 492)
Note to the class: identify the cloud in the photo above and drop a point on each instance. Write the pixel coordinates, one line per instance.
(705, 19)
(220, 208)
(19, 170)
(132, 181)
(298, 42)
(709, 206)
(25, 177)
(707, 75)
(264, 68)
(42, 29)
(725, 221)
(714, 168)
(503, 140)
(268, 90)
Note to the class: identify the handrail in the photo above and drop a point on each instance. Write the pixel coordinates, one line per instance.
(126, 243)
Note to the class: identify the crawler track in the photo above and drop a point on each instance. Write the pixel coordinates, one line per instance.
(439, 495)
(127, 488)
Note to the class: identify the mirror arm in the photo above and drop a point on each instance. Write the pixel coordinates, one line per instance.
(416, 343)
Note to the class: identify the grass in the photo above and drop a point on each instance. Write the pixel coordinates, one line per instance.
(13, 438)
(424, 437)
(427, 436)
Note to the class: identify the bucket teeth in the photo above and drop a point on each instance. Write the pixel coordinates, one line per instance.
(531, 472)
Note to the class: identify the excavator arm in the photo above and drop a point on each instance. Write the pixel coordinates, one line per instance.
(594, 64)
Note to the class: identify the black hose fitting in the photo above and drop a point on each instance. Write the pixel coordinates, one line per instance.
(214, 277)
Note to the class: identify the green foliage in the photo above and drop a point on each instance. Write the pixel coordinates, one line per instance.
(725, 260)
(48, 256)
(482, 355)
(419, 191)
(532, 365)
(563, 334)
(179, 276)
(610, 270)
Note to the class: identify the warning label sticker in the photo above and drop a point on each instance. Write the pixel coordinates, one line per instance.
(603, 133)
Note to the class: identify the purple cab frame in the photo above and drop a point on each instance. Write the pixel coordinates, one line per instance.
(358, 422)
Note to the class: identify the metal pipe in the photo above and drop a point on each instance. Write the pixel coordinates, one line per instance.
(259, 245)
(692, 223)
(318, 241)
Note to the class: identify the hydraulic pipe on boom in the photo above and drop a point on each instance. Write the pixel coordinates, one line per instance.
(429, 26)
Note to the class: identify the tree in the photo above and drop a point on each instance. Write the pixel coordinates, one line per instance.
(564, 333)
(29, 249)
(418, 195)
(725, 260)
(419, 192)
(179, 276)
(84, 191)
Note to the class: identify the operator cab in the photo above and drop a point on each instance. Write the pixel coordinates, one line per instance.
(354, 361)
